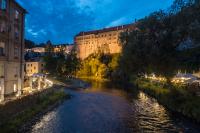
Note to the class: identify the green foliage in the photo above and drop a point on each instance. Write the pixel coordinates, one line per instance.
(41, 102)
(99, 66)
(153, 46)
(177, 98)
(60, 64)
(29, 44)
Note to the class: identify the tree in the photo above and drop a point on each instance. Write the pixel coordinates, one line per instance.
(29, 44)
(49, 47)
(151, 49)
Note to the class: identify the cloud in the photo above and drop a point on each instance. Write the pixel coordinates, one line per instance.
(60, 20)
(119, 21)
(36, 33)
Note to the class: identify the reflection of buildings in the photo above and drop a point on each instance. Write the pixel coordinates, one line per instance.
(11, 47)
(105, 40)
(34, 67)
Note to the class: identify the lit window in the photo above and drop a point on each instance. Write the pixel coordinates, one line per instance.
(2, 48)
(3, 4)
(15, 88)
(16, 14)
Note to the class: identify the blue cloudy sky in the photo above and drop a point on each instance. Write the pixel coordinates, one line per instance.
(60, 20)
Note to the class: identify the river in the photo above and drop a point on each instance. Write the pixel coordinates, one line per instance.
(103, 108)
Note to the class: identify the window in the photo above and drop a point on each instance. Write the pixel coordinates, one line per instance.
(16, 33)
(16, 52)
(15, 72)
(2, 48)
(2, 26)
(1, 70)
(16, 14)
(3, 4)
(15, 88)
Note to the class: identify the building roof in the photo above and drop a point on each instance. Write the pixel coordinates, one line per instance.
(34, 60)
(122, 27)
(24, 10)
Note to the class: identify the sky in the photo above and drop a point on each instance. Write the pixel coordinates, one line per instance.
(60, 20)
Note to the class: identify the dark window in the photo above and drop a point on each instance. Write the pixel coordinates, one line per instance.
(16, 52)
(2, 48)
(3, 4)
(2, 26)
(16, 33)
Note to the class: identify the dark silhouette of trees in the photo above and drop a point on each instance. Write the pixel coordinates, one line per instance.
(152, 47)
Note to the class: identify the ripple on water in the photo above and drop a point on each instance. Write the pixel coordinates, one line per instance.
(150, 116)
(108, 111)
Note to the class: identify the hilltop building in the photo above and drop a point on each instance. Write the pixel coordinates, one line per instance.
(104, 40)
(63, 48)
(38, 50)
(11, 48)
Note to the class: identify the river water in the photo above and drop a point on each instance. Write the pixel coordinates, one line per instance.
(103, 108)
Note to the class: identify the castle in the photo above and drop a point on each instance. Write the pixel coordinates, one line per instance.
(106, 40)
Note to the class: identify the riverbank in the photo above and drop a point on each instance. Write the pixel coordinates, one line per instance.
(16, 113)
(93, 78)
(177, 98)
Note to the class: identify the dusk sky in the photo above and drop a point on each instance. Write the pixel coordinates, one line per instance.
(60, 20)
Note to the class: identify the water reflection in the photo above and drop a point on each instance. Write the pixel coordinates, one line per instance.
(105, 109)
(151, 117)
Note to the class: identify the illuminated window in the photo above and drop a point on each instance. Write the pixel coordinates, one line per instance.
(2, 48)
(15, 88)
(3, 4)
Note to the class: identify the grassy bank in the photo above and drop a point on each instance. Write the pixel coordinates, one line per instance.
(17, 113)
(176, 98)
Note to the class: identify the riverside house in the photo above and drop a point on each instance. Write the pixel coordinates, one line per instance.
(11, 48)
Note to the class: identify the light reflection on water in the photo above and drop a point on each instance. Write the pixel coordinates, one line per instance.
(105, 109)
(151, 117)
